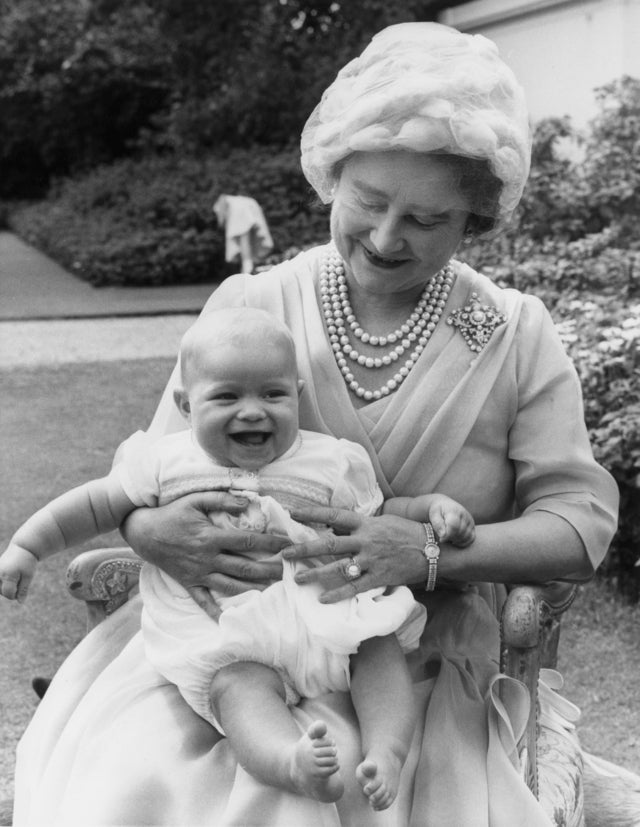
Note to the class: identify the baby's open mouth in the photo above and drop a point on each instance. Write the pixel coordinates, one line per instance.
(250, 437)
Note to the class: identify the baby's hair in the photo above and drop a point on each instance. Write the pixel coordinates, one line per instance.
(231, 326)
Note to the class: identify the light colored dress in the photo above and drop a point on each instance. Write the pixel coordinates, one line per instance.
(503, 433)
(285, 626)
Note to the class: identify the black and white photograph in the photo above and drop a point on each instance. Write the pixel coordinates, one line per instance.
(320, 419)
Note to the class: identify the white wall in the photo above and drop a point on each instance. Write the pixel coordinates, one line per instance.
(559, 50)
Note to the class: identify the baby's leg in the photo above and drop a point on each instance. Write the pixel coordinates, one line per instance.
(382, 695)
(249, 701)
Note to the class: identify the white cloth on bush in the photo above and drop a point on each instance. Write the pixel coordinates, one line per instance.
(242, 217)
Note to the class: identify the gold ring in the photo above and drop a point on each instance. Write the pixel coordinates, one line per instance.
(331, 543)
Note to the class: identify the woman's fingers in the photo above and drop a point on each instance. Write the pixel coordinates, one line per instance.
(203, 597)
(327, 546)
(211, 501)
(250, 543)
(340, 520)
(334, 574)
(347, 590)
(245, 569)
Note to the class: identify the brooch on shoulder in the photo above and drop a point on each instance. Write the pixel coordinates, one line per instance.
(476, 322)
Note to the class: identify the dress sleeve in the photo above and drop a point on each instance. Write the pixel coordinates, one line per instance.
(549, 443)
(356, 486)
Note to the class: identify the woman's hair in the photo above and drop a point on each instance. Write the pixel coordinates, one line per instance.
(425, 87)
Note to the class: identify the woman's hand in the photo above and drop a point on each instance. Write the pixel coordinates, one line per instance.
(388, 549)
(181, 540)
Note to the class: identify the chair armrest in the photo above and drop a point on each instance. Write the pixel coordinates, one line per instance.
(530, 630)
(105, 579)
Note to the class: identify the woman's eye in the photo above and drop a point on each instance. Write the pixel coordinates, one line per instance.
(367, 205)
(423, 221)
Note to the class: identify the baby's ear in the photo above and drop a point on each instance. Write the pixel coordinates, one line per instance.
(300, 386)
(181, 399)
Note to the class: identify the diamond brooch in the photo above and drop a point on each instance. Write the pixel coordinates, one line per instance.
(476, 322)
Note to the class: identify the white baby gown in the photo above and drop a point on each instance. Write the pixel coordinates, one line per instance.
(285, 627)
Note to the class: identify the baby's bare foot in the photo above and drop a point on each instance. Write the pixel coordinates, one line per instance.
(379, 776)
(314, 765)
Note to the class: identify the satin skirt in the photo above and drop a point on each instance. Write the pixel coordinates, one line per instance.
(113, 743)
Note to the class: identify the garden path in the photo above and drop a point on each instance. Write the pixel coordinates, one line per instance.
(32, 286)
(48, 316)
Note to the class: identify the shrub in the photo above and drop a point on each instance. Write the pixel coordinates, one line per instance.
(603, 338)
(150, 221)
(75, 87)
(575, 243)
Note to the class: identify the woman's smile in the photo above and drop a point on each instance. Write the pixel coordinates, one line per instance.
(397, 219)
(384, 261)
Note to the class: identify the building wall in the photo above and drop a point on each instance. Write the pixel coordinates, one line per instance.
(560, 50)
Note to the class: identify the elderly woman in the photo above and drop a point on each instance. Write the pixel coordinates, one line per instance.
(452, 385)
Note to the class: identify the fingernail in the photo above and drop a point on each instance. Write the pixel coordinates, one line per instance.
(287, 552)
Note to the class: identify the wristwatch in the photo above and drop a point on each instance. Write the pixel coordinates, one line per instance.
(431, 552)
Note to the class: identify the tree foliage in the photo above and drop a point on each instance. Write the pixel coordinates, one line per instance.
(87, 81)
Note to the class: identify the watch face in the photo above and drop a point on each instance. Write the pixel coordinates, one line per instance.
(432, 551)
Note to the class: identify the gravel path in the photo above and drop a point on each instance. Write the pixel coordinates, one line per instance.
(29, 343)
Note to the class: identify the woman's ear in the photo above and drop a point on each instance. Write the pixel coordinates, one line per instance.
(181, 399)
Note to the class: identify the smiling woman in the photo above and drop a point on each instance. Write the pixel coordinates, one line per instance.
(449, 384)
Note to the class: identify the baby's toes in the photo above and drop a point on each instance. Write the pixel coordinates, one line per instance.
(367, 775)
(317, 730)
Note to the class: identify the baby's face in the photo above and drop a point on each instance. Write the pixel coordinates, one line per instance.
(244, 403)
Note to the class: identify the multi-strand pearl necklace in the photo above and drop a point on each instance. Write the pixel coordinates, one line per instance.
(341, 322)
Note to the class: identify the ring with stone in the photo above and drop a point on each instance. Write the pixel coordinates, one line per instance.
(352, 569)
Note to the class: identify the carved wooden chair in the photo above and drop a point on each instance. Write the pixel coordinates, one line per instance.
(530, 629)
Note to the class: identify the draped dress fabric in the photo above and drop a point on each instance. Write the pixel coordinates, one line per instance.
(500, 431)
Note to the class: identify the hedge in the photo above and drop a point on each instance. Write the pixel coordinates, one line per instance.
(149, 221)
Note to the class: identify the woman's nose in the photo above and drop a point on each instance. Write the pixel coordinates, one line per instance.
(386, 236)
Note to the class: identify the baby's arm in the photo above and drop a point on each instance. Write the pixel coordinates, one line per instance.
(84, 512)
(451, 521)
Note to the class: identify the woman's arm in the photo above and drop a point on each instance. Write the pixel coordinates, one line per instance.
(534, 548)
(181, 540)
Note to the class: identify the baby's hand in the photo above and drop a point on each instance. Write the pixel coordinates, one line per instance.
(17, 567)
(451, 521)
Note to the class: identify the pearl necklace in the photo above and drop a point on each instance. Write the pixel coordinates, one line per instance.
(415, 332)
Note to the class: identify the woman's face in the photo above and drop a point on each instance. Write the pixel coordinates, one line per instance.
(397, 218)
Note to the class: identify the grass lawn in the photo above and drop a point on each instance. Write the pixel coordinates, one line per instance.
(60, 426)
